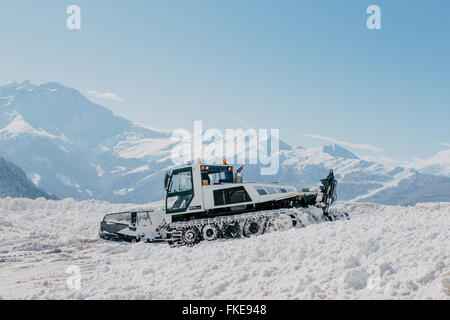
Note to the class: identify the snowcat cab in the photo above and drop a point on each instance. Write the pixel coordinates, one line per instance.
(197, 191)
(186, 188)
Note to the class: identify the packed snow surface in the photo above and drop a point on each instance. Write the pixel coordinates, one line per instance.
(383, 252)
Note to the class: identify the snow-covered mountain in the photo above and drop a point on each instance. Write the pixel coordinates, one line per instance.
(362, 180)
(14, 183)
(439, 164)
(78, 148)
(82, 150)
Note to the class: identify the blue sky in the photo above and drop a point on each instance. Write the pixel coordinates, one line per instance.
(309, 68)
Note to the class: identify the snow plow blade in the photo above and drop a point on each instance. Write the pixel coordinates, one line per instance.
(132, 226)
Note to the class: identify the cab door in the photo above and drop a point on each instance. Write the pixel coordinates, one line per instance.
(180, 191)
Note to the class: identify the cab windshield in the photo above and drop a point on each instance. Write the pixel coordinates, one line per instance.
(181, 182)
(216, 175)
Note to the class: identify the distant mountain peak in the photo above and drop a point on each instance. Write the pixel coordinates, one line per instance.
(438, 164)
(19, 85)
(50, 85)
(338, 152)
(12, 87)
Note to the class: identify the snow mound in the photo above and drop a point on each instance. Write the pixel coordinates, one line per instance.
(383, 252)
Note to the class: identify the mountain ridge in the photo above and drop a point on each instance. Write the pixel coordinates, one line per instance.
(82, 150)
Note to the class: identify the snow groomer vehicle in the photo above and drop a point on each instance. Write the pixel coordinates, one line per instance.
(209, 202)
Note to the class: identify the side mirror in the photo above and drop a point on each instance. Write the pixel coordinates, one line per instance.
(166, 181)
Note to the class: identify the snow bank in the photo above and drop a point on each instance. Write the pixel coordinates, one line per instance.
(41, 224)
(383, 252)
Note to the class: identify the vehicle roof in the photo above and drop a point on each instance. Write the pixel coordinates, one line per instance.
(200, 164)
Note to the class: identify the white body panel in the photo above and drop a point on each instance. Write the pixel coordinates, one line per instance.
(273, 192)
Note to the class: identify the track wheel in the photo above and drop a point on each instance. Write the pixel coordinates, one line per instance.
(210, 232)
(231, 230)
(282, 223)
(191, 236)
(253, 228)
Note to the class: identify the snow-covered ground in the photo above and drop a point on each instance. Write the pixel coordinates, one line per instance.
(383, 252)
